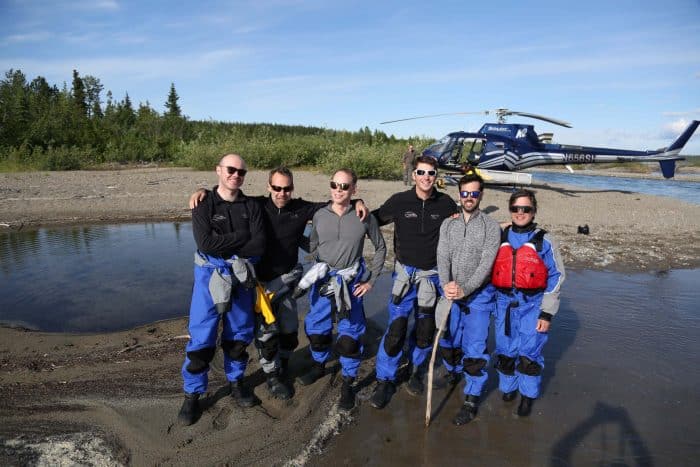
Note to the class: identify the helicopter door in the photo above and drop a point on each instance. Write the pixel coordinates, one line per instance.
(474, 151)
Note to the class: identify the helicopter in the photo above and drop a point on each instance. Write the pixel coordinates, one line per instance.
(499, 150)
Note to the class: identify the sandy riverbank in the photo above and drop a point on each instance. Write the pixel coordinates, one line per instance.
(112, 398)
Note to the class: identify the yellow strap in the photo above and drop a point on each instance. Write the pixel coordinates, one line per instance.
(263, 305)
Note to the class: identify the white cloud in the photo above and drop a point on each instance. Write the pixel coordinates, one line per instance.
(37, 36)
(673, 129)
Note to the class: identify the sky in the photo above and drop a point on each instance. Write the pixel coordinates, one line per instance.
(624, 73)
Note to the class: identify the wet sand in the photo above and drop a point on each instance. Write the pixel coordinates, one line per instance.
(114, 396)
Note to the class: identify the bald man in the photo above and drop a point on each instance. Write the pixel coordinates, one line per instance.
(229, 232)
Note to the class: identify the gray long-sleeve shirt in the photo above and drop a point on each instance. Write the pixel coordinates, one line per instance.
(339, 240)
(466, 250)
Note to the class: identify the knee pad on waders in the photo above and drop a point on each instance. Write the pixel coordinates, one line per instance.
(320, 342)
(505, 364)
(425, 331)
(529, 367)
(395, 336)
(200, 359)
(473, 366)
(235, 350)
(451, 355)
(268, 347)
(346, 346)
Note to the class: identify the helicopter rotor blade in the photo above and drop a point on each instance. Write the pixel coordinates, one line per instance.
(485, 112)
(538, 117)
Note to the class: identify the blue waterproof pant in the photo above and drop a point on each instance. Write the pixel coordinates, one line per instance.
(238, 328)
(318, 325)
(519, 345)
(420, 339)
(463, 346)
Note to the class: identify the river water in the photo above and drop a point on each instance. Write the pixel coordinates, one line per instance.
(620, 386)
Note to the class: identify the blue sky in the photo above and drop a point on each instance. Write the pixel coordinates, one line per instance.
(623, 73)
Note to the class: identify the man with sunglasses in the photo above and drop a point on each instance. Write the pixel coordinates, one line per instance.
(340, 281)
(285, 220)
(228, 230)
(528, 273)
(465, 255)
(417, 215)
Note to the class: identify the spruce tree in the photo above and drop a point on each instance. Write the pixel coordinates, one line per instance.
(172, 109)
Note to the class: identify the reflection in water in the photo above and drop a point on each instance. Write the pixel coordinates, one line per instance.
(95, 278)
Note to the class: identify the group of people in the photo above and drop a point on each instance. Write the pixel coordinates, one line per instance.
(247, 250)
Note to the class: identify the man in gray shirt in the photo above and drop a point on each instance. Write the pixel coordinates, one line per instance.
(465, 254)
(338, 282)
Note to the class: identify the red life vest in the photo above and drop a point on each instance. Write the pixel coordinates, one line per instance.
(523, 268)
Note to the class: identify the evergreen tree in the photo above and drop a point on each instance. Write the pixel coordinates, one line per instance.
(79, 95)
(172, 109)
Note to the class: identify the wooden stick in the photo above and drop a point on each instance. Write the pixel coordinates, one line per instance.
(429, 400)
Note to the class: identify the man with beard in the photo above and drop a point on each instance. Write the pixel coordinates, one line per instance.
(465, 254)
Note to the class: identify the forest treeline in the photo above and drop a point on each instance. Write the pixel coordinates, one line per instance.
(44, 127)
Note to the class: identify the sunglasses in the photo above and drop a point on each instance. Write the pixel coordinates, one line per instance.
(286, 189)
(431, 173)
(340, 186)
(467, 194)
(525, 209)
(234, 170)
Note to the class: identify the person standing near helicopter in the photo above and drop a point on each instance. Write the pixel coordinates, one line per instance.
(407, 163)
(417, 214)
(528, 274)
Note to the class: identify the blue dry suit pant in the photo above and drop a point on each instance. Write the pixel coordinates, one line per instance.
(420, 341)
(238, 328)
(318, 326)
(518, 344)
(463, 345)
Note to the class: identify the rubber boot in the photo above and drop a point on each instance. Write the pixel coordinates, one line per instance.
(317, 371)
(189, 410)
(525, 406)
(277, 388)
(415, 386)
(382, 394)
(468, 411)
(242, 395)
(347, 394)
(510, 396)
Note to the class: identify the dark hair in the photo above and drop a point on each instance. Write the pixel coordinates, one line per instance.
(425, 160)
(282, 170)
(471, 177)
(523, 193)
(349, 172)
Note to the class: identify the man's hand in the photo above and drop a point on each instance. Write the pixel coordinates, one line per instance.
(453, 291)
(361, 289)
(361, 209)
(196, 197)
(542, 325)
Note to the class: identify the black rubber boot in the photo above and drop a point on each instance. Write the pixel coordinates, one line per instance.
(468, 411)
(189, 410)
(415, 386)
(317, 371)
(510, 396)
(242, 395)
(347, 394)
(382, 394)
(277, 388)
(525, 406)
